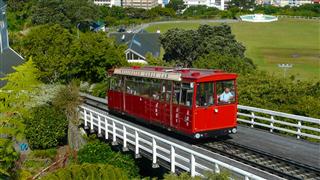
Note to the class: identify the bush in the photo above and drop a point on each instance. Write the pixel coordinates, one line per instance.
(227, 63)
(46, 128)
(270, 92)
(100, 89)
(97, 152)
(224, 175)
(45, 153)
(88, 171)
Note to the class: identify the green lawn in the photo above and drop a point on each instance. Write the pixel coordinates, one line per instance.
(269, 44)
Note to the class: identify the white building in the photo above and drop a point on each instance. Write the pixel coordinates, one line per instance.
(283, 3)
(210, 3)
(145, 4)
(148, 4)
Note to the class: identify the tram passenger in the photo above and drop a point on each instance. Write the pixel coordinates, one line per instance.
(226, 96)
(156, 95)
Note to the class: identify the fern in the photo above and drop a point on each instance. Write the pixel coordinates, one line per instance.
(14, 98)
(88, 172)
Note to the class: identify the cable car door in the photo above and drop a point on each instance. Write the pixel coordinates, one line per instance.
(204, 119)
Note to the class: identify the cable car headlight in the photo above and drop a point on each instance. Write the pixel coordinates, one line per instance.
(234, 130)
(197, 136)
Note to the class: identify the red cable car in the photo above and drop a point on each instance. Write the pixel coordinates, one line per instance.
(197, 103)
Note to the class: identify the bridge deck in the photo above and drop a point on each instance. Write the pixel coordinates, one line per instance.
(283, 146)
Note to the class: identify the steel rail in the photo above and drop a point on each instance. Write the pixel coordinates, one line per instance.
(265, 161)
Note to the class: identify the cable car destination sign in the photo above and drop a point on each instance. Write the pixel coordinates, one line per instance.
(149, 74)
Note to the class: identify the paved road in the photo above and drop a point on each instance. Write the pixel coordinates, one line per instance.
(201, 21)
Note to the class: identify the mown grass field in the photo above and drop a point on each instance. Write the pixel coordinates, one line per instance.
(286, 41)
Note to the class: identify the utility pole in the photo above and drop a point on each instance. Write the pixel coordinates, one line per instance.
(285, 68)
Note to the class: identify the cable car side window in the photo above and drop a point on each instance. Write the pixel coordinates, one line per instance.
(131, 86)
(176, 93)
(186, 94)
(116, 83)
(205, 94)
(155, 89)
(226, 92)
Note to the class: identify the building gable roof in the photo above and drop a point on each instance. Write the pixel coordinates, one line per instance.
(8, 57)
(141, 43)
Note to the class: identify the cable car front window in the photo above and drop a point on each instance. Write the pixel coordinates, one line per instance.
(226, 92)
(205, 94)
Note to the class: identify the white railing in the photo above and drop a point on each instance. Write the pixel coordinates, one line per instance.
(283, 122)
(176, 154)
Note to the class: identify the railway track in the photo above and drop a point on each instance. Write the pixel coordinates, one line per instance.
(280, 166)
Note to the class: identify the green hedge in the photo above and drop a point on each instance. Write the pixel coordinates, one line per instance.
(98, 152)
(46, 128)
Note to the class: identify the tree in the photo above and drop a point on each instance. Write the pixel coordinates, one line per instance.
(60, 56)
(200, 11)
(154, 61)
(88, 171)
(180, 46)
(226, 63)
(16, 98)
(67, 100)
(243, 4)
(92, 55)
(49, 46)
(185, 46)
(220, 40)
(67, 13)
(177, 5)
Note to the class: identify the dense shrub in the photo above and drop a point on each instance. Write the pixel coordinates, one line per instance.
(267, 91)
(207, 175)
(88, 171)
(100, 89)
(226, 63)
(44, 153)
(97, 152)
(46, 128)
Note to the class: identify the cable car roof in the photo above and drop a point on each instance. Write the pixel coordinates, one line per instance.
(175, 74)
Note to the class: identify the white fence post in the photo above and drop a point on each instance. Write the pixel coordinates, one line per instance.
(192, 166)
(299, 130)
(252, 119)
(99, 126)
(114, 136)
(137, 154)
(106, 128)
(216, 168)
(173, 159)
(85, 118)
(271, 124)
(91, 122)
(154, 154)
(125, 148)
